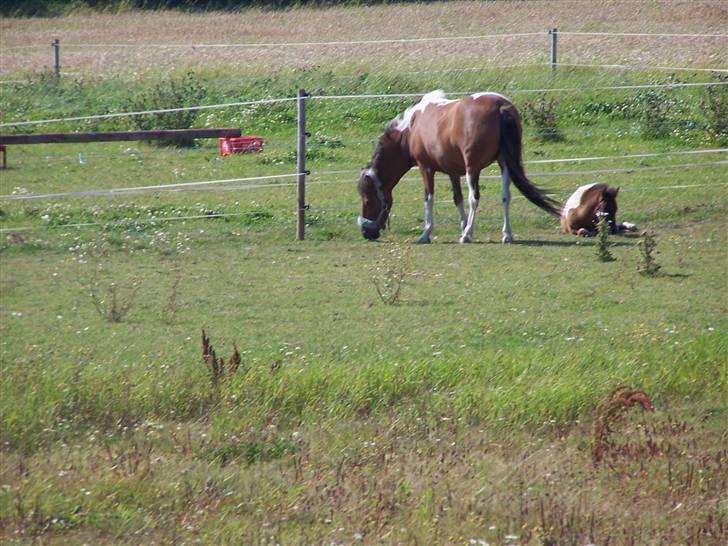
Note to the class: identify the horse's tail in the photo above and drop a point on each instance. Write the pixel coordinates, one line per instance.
(511, 155)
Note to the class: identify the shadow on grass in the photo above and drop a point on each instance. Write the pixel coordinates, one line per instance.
(671, 275)
(534, 242)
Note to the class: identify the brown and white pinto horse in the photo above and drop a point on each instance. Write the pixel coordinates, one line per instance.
(580, 215)
(456, 137)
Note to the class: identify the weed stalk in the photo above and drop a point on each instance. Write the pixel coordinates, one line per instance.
(647, 245)
(602, 246)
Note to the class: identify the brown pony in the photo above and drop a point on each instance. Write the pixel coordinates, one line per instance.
(580, 215)
(456, 137)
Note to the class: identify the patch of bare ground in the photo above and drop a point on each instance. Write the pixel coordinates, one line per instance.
(163, 40)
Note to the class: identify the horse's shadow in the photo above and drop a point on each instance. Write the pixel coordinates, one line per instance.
(580, 242)
(674, 275)
(544, 243)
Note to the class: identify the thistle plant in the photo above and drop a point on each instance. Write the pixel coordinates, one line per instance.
(391, 270)
(647, 246)
(168, 312)
(111, 295)
(603, 239)
(543, 115)
(716, 110)
(169, 94)
(112, 301)
(130, 461)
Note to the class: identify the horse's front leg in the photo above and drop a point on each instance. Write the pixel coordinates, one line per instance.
(473, 200)
(627, 226)
(457, 197)
(585, 232)
(506, 202)
(428, 177)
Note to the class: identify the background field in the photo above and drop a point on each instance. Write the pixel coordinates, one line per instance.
(468, 412)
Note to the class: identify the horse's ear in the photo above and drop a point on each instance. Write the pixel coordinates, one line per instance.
(612, 192)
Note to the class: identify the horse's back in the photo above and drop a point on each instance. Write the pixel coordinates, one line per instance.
(479, 128)
(433, 141)
(459, 136)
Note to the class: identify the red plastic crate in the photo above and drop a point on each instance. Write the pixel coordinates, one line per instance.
(241, 145)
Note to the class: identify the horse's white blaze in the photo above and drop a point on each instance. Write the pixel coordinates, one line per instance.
(575, 200)
(434, 97)
(491, 94)
(506, 201)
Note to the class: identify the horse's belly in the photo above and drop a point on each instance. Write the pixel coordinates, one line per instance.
(441, 158)
(576, 218)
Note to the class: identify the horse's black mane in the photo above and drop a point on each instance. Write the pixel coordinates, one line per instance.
(385, 138)
(388, 135)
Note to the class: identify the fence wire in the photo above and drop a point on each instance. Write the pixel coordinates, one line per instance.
(355, 59)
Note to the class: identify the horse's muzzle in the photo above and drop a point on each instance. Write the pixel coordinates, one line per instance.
(370, 234)
(369, 228)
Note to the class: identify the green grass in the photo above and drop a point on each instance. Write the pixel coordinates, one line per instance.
(461, 413)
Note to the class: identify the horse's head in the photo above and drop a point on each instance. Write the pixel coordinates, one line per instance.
(608, 206)
(376, 200)
(390, 161)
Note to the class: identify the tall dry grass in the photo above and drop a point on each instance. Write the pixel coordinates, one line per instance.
(168, 36)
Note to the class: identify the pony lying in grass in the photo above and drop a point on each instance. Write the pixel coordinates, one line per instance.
(455, 137)
(580, 214)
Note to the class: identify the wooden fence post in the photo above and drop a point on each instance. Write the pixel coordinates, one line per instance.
(554, 35)
(57, 57)
(301, 166)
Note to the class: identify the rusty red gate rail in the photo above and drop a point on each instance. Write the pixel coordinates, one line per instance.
(162, 134)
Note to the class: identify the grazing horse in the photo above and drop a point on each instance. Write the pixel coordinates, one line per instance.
(456, 137)
(580, 215)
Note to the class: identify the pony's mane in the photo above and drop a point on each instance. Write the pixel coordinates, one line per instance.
(399, 123)
(386, 137)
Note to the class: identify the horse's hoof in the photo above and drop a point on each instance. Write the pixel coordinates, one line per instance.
(507, 238)
(466, 239)
(423, 241)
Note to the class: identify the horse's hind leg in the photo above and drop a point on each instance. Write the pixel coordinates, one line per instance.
(428, 177)
(473, 200)
(457, 197)
(506, 202)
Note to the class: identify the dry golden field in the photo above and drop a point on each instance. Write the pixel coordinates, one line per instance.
(137, 42)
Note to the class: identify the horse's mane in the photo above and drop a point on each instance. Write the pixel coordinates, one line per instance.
(392, 133)
(385, 138)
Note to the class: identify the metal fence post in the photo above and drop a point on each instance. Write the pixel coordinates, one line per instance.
(301, 166)
(57, 56)
(554, 35)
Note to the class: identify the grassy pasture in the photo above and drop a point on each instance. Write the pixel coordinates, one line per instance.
(466, 413)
